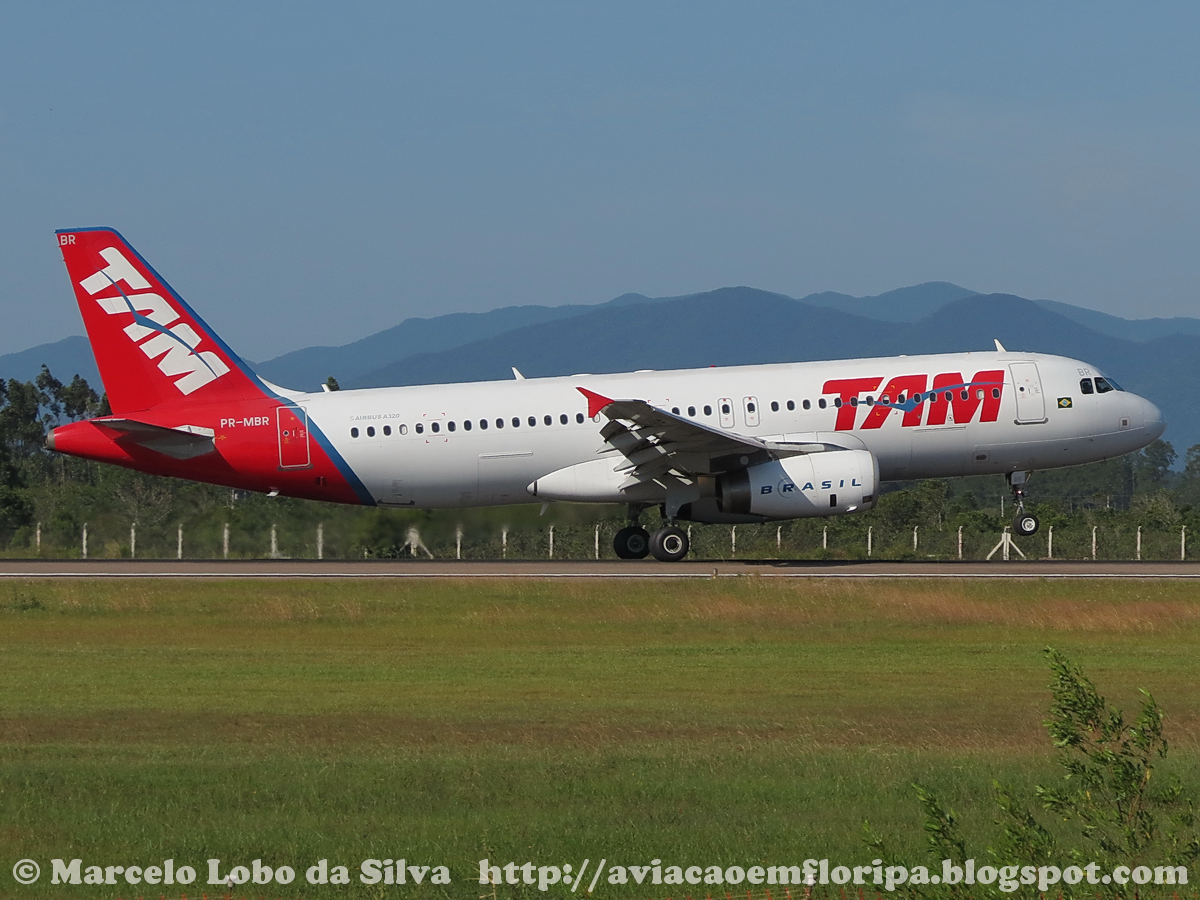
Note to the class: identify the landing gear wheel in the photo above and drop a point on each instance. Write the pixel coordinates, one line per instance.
(1025, 524)
(669, 544)
(632, 542)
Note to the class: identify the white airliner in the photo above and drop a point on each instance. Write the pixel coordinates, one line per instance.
(738, 444)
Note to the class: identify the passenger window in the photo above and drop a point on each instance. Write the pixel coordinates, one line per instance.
(435, 427)
(450, 426)
(949, 396)
(1102, 386)
(467, 425)
(996, 393)
(483, 424)
(353, 432)
(820, 403)
(774, 406)
(837, 402)
(966, 395)
(370, 431)
(725, 408)
(420, 428)
(708, 410)
(579, 418)
(403, 429)
(516, 422)
(532, 421)
(499, 423)
(854, 401)
(563, 419)
(674, 410)
(792, 405)
(387, 429)
(691, 411)
(750, 407)
(807, 405)
(979, 393)
(1085, 386)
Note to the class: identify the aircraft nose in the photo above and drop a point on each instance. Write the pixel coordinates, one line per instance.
(1155, 424)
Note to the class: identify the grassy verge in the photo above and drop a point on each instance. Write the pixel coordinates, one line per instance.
(732, 722)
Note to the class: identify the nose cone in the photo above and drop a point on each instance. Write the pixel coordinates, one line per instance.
(1155, 424)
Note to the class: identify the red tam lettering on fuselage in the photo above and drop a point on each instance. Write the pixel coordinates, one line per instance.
(848, 389)
(949, 390)
(907, 386)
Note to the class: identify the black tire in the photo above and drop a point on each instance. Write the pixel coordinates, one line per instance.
(632, 542)
(1025, 524)
(669, 544)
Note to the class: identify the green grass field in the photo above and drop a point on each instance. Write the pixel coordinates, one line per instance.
(739, 721)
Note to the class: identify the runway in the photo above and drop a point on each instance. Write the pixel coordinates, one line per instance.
(555, 569)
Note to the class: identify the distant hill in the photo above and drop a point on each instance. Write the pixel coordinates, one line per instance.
(307, 368)
(1132, 329)
(906, 304)
(65, 358)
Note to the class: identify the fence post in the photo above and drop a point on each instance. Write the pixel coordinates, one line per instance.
(825, 538)
(915, 527)
(778, 537)
(1182, 543)
(1050, 542)
(552, 542)
(733, 542)
(37, 538)
(274, 543)
(1139, 542)
(225, 542)
(960, 528)
(597, 542)
(458, 541)
(320, 540)
(504, 542)
(870, 528)
(133, 540)
(179, 542)
(1093, 542)
(83, 547)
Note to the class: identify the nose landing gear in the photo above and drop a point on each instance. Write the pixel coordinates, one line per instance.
(1024, 524)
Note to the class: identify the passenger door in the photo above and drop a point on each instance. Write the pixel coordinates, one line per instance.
(1027, 385)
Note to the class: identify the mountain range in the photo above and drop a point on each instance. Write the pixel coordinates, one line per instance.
(728, 326)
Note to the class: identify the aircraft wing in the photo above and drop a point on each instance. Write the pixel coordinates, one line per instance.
(181, 442)
(655, 442)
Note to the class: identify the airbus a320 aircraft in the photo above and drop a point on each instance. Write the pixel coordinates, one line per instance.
(739, 444)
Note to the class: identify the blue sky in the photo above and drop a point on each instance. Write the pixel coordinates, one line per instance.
(313, 173)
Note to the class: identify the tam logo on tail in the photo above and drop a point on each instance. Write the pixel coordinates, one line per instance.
(152, 329)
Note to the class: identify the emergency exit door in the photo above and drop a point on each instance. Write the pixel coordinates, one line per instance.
(1027, 385)
(291, 424)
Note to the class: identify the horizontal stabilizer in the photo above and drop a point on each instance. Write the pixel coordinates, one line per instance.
(180, 442)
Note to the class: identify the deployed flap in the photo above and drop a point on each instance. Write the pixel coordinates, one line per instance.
(181, 442)
(655, 442)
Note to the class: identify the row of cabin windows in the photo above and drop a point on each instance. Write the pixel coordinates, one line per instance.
(1102, 386)
(468, 425)
(931, 397)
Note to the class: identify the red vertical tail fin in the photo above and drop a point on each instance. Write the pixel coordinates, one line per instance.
(150, 347)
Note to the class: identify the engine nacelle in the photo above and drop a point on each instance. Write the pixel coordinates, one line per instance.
(815, 484)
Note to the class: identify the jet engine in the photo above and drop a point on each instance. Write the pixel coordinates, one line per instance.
(815, 484)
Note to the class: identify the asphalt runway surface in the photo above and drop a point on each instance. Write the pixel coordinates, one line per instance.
(404, 568)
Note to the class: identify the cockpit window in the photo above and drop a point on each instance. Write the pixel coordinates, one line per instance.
(1103, 386)
(1085, 386)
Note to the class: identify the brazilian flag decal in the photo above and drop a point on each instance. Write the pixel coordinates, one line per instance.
(1064, 402)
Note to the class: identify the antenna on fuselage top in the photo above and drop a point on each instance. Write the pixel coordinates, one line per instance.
(999, 346)
(517, 374)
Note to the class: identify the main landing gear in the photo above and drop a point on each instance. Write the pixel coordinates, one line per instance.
(668, 544)
(1024, 524)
